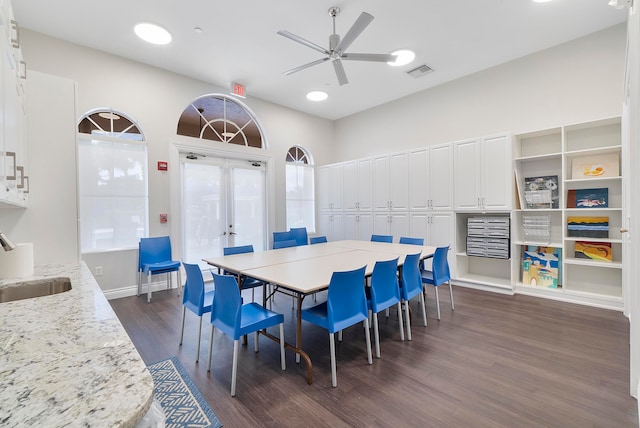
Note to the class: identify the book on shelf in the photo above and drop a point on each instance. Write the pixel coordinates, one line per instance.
(600, 166)
(588, 227)
(541, 192)
(541, 266)
(600, 251)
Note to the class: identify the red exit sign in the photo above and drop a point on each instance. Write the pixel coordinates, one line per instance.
(238, 89)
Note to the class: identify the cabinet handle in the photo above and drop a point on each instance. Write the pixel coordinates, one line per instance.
(624, 230)
(23, 70)
(483, 202)
(15, 41)
(479, 202)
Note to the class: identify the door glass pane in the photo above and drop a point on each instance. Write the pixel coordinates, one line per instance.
(204, 216)
(248, 208)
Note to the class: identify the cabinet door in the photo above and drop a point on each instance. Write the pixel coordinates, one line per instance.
(419, 179)
(398, 225)
(335, 182)
(381, 223)
(467, 174)
(380, 182)
(365, 226)
(337, 228)
(364, 184)
(350, 223)
(322, 188)
(441, 177)
(441, 230)
(419, 225)
(399, 181)
(350, 185)
(496, 172)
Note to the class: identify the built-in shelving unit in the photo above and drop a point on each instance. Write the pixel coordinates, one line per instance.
(556, 156)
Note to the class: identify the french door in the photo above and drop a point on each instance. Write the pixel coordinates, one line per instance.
(223, 205)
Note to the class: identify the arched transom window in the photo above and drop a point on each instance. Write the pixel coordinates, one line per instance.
(223, 119)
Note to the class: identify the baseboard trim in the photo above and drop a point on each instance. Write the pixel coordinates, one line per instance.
(132, 290)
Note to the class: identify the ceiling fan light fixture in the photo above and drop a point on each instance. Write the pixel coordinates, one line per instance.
(403, 57)
(317, 95)
(152, 33)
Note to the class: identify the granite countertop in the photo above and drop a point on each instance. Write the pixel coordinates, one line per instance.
(66, 360)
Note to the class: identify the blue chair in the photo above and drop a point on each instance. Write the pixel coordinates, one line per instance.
(317, 240)
(247, 282)
(195, 298)
(439, 274)
(300, 235)
(412, 241)
(411, 287)
(284, 244)
(382, 238)
(234, 319)
(154, 258)
(282, 236)
(384, 293)
(346, 305)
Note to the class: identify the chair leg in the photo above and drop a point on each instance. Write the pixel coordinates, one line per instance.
(367, 336)
(184, 311)
(149, 287)
(180, 284)
(386, 312)
(210, 348)
(424, 310)
(199, 336)
(376, 334)
(332, 346)
(340, 336)
(437, 302)
(451, 294)
(400, 321)
(407, 319)
(234, 369)
(255, 342)
(282, 359)
(169, 280)
(139, 282)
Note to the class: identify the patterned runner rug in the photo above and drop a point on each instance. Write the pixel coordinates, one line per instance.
(183, 404)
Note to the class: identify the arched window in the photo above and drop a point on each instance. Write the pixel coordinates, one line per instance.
(221, 118)
(300, 189)
(112, 175)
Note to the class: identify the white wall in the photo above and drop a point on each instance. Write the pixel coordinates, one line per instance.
(574, 82)
(155, 99)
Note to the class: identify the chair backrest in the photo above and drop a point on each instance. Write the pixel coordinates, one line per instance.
(384, 284)
(412, 241)
(227, 305)
(411, 277)
(154, 250)
(346, 299)
(300, 235)
(282, 236)
(382, 238)
(193, 295)
(240, 249)
(317, 240)
(285, 244)
(440, 266)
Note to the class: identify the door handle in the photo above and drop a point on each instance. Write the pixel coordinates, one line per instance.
(623, 230)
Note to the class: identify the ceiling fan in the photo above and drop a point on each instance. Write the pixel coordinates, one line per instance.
(336, 52)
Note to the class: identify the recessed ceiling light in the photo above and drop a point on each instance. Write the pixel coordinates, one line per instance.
(540, 1)
(403, 57)
(317, 96)
(153, 33)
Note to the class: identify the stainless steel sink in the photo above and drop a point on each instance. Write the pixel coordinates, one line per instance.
(34, 288)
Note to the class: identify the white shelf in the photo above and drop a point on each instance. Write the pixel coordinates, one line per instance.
(585, 262)
(539, 243)
(592, 180)
(576, 238)
(542, 157)
(594, 151)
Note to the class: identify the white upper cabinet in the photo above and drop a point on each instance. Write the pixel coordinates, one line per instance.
(330, 188)
(391, 182)
(357, 185)
(431, 178)
(483, 173)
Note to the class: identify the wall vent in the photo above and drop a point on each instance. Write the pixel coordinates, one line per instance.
(420, 71)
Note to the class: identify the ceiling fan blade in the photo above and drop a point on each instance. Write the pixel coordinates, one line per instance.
(305, 42)
(361, 23)
(342, 76)
(368, 57)
(310, 64)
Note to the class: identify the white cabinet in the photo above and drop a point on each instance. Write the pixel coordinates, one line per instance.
(358, 226)
(357, 185)
(483, 173)
(394, 223)
(431, 178)
(14, 185)
(391, 182)
(331, 226)
(436, 228)
(330, 187)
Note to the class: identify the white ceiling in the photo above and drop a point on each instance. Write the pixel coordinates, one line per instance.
(239, 42)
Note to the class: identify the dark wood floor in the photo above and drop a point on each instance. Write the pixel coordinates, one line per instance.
(496, 361)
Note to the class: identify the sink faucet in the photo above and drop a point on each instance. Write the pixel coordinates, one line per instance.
(6, 243)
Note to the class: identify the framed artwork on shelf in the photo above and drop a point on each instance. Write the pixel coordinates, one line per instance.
(600, 251)
(588, 227)
(541, 192)
(541, 266)
(605, 165)
(592, 198)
